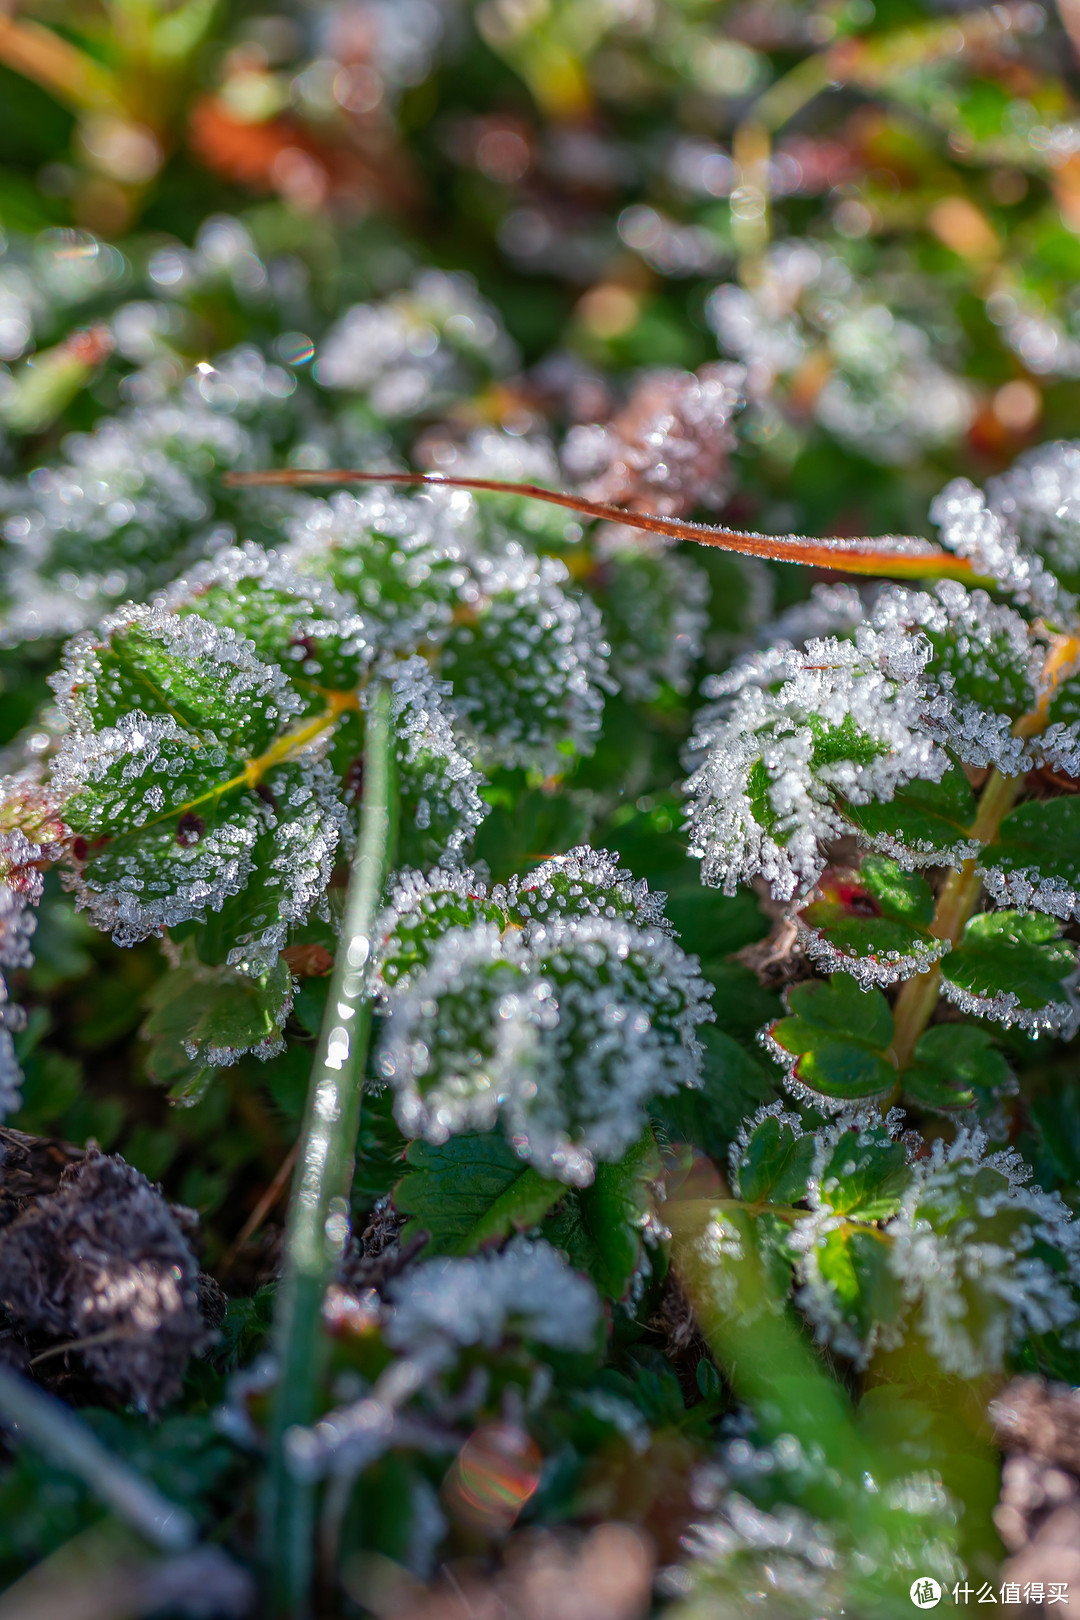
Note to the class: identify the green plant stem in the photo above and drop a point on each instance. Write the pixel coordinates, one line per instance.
(318, 1224)
(956, 901)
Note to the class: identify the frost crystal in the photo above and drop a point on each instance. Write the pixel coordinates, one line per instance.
(564, 1029)
(262, 597)
(403, 561)
(835, 722)
(184, 665)
(983, 675)
(964, 1247)
(529, 666)
(135, 493)
(440, 781)
(1060, 1018)
(526, 1291)
(1039, 498)
(973, 528)
(585, 882)
(414, 350)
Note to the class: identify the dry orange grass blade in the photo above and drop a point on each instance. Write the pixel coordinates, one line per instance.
(889, 556)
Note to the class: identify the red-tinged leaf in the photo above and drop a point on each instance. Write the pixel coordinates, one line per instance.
(894, 556)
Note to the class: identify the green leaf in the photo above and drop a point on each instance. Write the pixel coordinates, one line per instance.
(296, 623)
(1013, 966)
(984, 657)
(1035, 859)
(470, 1191)
(835, 1040)
(203, 1017)
(775, 1164)
(420, 912)
(600, 1227)
(874, 922)
(924, 823)
(952, 1064)
(866, 1175)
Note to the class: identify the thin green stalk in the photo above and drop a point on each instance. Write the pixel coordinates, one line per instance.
(318, 1223)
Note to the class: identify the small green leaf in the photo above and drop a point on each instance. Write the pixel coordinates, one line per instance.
(202, 1017)
(1013, 966)
(952, 1063)
(1035, 860)
(924, 823)
(600, 1227)
(775, 1164)
(835, 1040)
(874, 922)
(866, 1175)
(470, 1191)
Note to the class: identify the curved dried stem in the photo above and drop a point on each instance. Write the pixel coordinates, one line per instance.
(891, 556)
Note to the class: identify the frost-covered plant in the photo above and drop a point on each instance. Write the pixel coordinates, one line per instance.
(940, 734)
(865, 362)
(558, 1004)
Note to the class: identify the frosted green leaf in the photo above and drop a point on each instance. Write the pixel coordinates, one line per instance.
(441, 806)
(925, 823)
(802, 734)
(565, 1039)
(528, 663)
(297, 623)
(204, 1018)
(584, 882)
(420, 910)
(834, 1043)
(1035, 860)
(401, 560)
(1014, 967)
(874, 923)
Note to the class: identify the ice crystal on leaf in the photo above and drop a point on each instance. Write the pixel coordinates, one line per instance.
(881, 1234)
(1039, 498)
(402, 561)
(440, 783)
(983, 1258)
(558, 1018)
(528, 665)
(179, 789)
(134, 495)
(417, 347)
(970, 526)
(654, 603)
(585, 882)
(527, 1291)
(983, 673)
(832, 722)
(298, 622)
